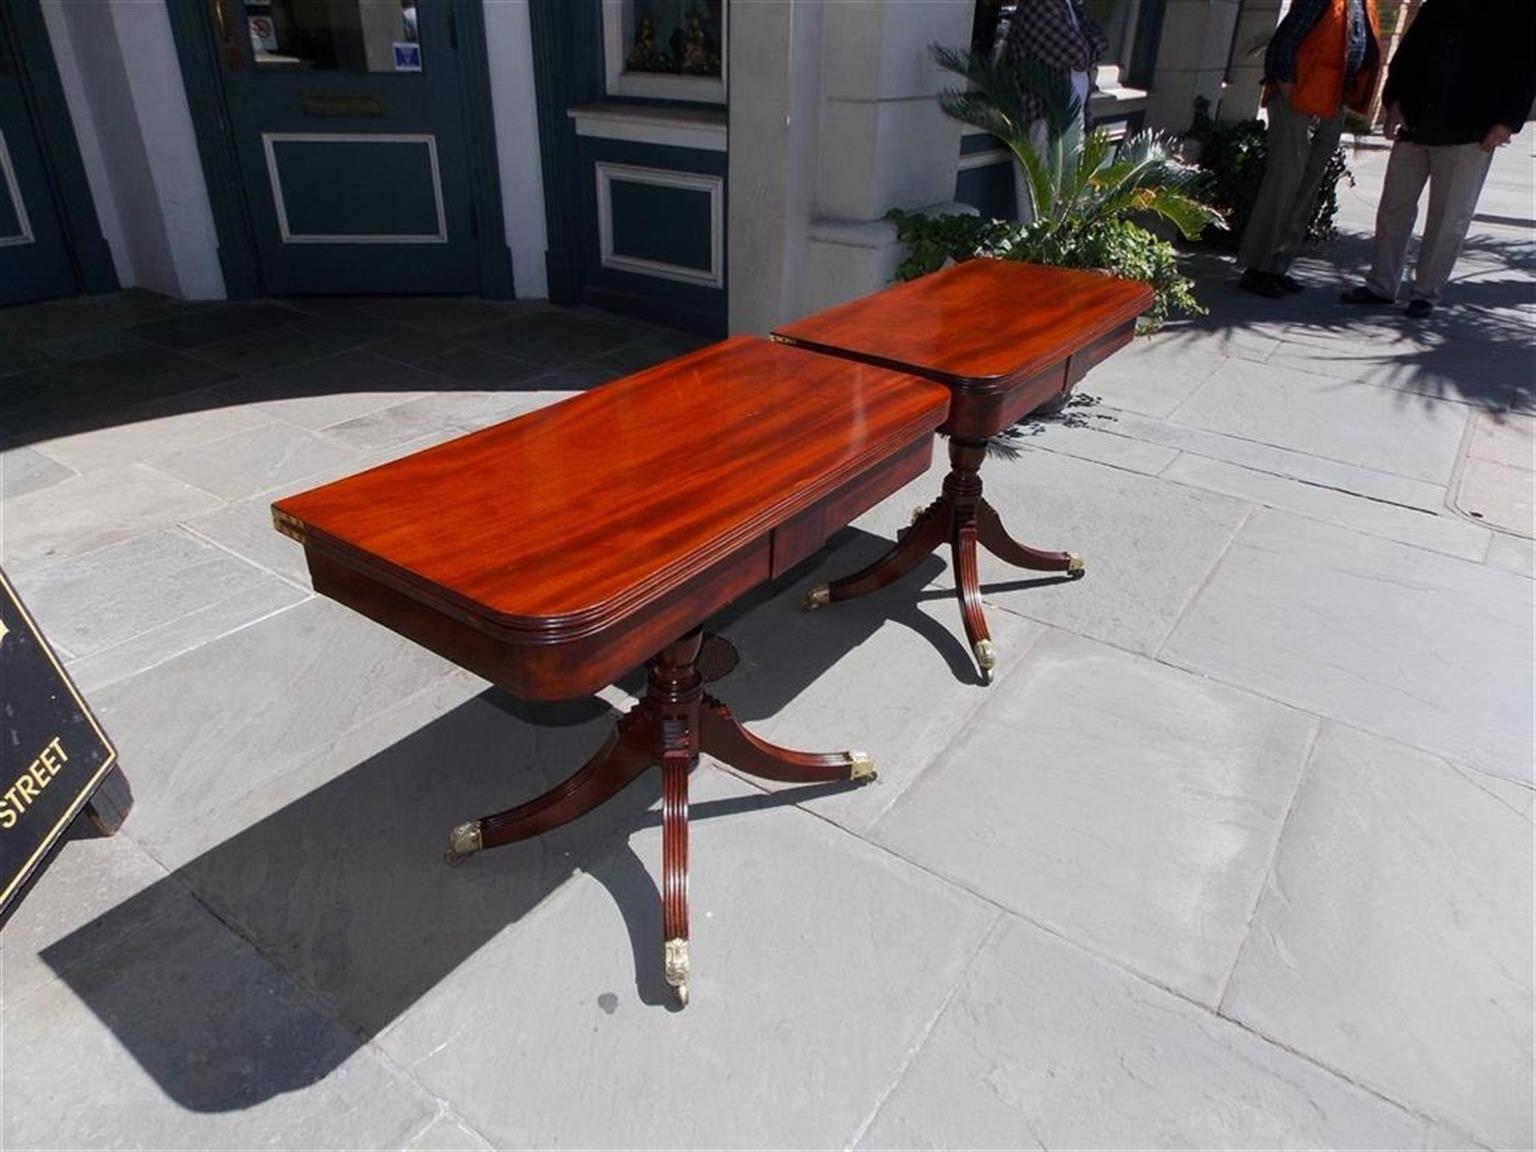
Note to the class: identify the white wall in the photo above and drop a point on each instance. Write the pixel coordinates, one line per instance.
(122, 80)
(509, 45)
(775, 93)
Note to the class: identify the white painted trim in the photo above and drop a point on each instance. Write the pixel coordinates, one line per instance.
(25, 235)
(514, 107)
(698, 181)
(658, 86)
(290, 237)
(668, 127)
(985, 159)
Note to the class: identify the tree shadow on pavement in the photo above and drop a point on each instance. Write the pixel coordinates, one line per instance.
(338, 877)
(1476, 347)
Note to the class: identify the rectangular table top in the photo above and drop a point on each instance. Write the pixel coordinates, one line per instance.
(981, 325)
(567, 518)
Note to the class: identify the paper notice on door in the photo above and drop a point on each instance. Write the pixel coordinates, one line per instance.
(407, 57)
(263, 34)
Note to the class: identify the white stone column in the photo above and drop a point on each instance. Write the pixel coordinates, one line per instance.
(1257, 20)
(833, 122)
(1191, 60)
(883, 141)
(122, 79)
(775, 83)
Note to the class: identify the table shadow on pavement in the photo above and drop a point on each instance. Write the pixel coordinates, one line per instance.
(343, 885)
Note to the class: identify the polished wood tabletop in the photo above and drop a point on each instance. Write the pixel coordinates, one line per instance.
(566, 518)
(979, 325)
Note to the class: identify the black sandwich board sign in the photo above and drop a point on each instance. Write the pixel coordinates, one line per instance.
(53, 754)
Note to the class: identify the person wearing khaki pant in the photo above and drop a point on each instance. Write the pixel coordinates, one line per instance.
(1322, 59)
(1455, 174)
(1460, 85)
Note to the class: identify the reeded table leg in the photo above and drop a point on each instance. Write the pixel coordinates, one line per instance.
(961, 518)
(995, 539)
(726, 740)
(670, 726)
(629, 750)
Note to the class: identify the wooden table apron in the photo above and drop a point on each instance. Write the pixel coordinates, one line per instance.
(554, 552)
(1004, 337)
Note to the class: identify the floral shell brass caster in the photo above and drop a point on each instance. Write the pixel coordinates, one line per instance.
(986, 659)
(675, 969)
(463, 842)
(1074, 564)
(861, 766)
(818, 597)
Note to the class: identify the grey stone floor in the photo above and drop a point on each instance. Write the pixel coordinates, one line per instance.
(1237, 852)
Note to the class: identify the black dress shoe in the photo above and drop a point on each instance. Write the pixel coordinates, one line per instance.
(1261, 284)
(1420, 309)
(1363, 295)
(1290, 283)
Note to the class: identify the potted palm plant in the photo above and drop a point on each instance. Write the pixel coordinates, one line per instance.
(1087, 196)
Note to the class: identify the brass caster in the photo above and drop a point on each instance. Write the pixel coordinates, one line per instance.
(986, 659)
(862, 766)
(1074, 564)
(818, 597)
(463, 842)
(675, 969)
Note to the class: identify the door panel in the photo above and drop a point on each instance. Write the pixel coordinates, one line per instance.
(349, 132)
(34, 256)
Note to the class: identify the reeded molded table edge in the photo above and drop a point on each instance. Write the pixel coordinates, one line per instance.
(675, 721)
(982, 404)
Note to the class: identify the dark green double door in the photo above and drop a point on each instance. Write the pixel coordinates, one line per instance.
(348, 130)
(34, 255)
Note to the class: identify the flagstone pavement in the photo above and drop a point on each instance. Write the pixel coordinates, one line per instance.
(1236, 852)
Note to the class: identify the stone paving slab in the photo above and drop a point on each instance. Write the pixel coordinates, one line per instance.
(818, 964)
(1410, 644)
(129, 606)
(1299, 466)
(1048, 1046)
(1446, 533)
(148, 430)
(335, 869)
(320, 392)
(1148, 545)
(254, 460)
(88, 512)
(1385, 944)
(71, 898)
(1151, 376)
(890, 674)
(191, 1039)
(251, 705)
(24, 470)
(1334, 419)
(1128, 806)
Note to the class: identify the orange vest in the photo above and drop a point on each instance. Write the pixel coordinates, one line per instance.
(1320, 81)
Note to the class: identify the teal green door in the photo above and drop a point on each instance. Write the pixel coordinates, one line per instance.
(34, 255)
(347, 123)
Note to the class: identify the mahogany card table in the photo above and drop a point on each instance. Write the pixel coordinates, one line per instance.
(1004, 337)
(552, 553)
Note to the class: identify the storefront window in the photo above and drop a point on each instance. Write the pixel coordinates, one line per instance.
(334, 35)
(667, 49)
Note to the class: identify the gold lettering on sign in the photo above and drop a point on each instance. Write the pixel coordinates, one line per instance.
(30, 784)
(3, 629)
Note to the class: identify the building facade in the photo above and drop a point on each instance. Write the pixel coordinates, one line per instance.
(714, 165)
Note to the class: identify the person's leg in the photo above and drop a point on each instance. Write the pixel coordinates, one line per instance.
(1456, 174)
(1324, 140)
(1289, 138)
(1407, 169)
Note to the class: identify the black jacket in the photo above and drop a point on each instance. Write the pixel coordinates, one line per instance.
(1464, 66)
